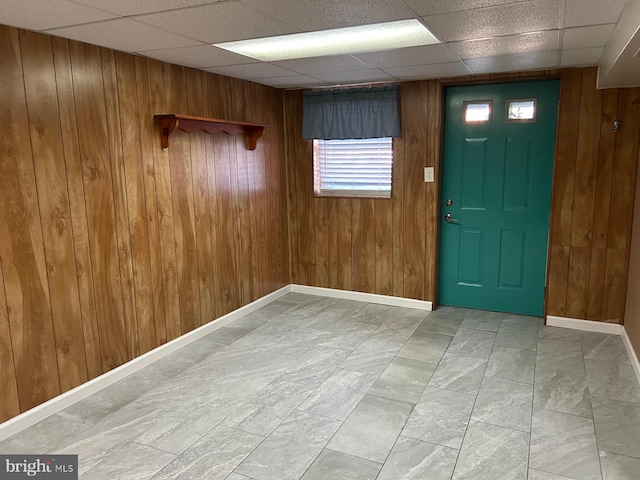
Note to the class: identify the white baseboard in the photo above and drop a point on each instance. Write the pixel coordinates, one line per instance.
(586, 325)
(56, 404)
(363, 297)
(633, 357)
(601, 327)
(36, 414)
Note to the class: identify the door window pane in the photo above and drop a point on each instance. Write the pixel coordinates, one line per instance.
(477, 112)
(521, 110)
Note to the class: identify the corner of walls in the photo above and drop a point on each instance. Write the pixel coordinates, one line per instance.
(56, 404)
(286, 135)
(632, 306)
(600, 327)
(128, 245)
(632, 352)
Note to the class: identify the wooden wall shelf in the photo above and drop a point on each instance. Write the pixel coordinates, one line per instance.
(187, 123)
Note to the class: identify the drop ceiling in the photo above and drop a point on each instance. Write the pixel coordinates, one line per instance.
(478, 36)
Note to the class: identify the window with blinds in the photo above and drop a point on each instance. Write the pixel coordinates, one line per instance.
(353, 168)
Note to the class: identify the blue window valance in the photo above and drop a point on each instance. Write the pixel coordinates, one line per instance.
(351, 113)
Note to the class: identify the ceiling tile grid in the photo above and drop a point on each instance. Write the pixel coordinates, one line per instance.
(581, 57)
(585, 37)
(404, 57)
(308, 15)
(479, 36)
(136, 7)
(218, 22)
(508, 63)
(132, 36)
(591, 12)
(429, 7)
(508, 45)
(250, 71)
(292, 82)
(335, 63)
(44, 14)
(354, 77)
(439, 70)
(198, 56)
(511, 19)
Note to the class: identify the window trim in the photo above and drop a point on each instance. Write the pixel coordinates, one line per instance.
(348, 193)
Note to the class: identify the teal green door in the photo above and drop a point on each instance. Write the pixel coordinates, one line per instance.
(496, 196)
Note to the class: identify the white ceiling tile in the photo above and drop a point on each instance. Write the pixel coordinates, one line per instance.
(355, 76)
(135, 7)
(409, 56)
(321, 15)
(251, 71)
(441, 70)
(124, 34)
(534, 16)
(45, 14)
(198, 56)
(336, 63)
(218, 22)
(512, 63)
(585, 37)
(510, 45)
(581, 56)
(296, 81)
(429, 7)
(592, 12)
(487, 35)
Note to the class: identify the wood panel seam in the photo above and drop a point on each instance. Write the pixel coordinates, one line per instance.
(35, 186)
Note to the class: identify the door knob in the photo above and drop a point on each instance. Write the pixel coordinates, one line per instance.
(449, 218)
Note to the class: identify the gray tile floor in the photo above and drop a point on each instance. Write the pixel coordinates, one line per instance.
(316, 388)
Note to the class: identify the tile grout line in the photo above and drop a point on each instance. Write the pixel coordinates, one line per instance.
(619, 454)
(411, 411)
(593, 416)
(466, 431)
(342, 422)
(533, 398)
(378, 396)
(414, 405)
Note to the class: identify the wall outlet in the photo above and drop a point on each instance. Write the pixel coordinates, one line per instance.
(429, 176)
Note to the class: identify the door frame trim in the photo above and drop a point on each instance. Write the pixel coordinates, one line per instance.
(436, 211)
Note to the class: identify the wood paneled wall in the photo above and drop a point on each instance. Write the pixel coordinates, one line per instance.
(109, 245)
(391, 246)
(385, 246)
(593, 198)
(632, 309)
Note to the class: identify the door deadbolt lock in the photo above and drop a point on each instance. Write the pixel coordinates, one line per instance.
(449, 202)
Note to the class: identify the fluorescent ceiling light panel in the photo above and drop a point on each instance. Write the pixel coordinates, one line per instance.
(340, 41)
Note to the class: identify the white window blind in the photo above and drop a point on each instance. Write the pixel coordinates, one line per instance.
(353, 168)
